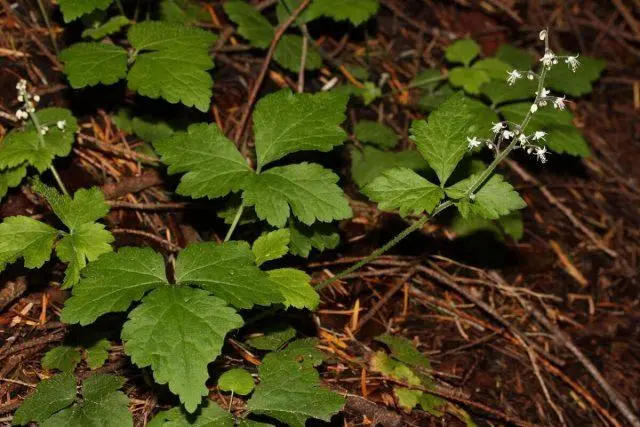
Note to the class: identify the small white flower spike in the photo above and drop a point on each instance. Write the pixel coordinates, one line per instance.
(497, 127)
(572, 62)
(507, 134)
(533, 108)
(473, 142)
(559, 103)
(513, 76)
(538, 135)
(541, 154)
(61, 124)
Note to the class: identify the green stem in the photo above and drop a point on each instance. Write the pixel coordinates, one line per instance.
(120, 8)
(58, 180)
(45, 16)
(36, 123)
(448, 203)
(235, 222)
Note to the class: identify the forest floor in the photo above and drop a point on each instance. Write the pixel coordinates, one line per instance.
(509, 327)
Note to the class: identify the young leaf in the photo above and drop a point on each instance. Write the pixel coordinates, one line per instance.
(97, 353)
(495, 68)
(494, 199)
(50, 396)
(517, 58)
(290, 392)
(356, 11)
(564, 80)
(404, 351)
(288, 54)
(462, 51)
(73, 9)
(562, 135)
(30, 146)
(285, 123)
(174, 65)
(63, 358)
(113, 282)
(86, 206)
(272, 245)
(102, 405)
(90, 64)
(403, 189)
(295, 286)
(24, 237)
(252, 25)
(307, 190)
(369, 163)
(214, 167)
(178, 331)
(274, 337)
(228, 271)
(10, 178)
(236, 380)
(470, 79)
(208, 415)
(442, 140)
(318, 236)
(376, 134)
(112, 26)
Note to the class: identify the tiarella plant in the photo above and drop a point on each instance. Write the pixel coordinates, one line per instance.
(180, 309)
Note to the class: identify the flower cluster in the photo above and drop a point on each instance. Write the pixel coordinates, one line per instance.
(526, 142)
(28, 108)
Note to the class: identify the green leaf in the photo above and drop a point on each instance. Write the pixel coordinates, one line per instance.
(512, 225)
(274, 337)
(405, 190)
(152, 129)
(97, 353)
(20, 146)
(471, 79)
(562, 135)
(251, 423)
(562, 79)
(462, 51)
(208, 415)
(356, 11)
(295, 286)
(24, 237)
(369, 163)
(113, 282)
(376, 134)
(73, 9)
(182, 11)
(304, 351)
(495, 68)
(178, 331)
(228, 271)
(63, 358)
(285, 123)
(11, 177)
(443, 139)
(87, 205)
(517, 58)
(50, 396)
(404, 351)
(435, 97)
(407, 398)
(290, 392)
(112, 26)
(102, 405)
(252, 25)
(272, 245)
(381, 362)
(499, 91)
(307, 190)
(494, 199)
(85, 243)
(236, 380)
(288, 54)
(434, 405)
(318, 236)
(482, 118)
(427, 79)
(214, 167)
(467, 226)
(176, 69)
(89, 64)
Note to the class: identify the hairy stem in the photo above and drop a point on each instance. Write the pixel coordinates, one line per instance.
(484, 176)
(58, 180)
(45, 16)
(36, 123)
(235, 222)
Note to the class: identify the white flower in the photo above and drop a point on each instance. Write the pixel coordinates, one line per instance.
(20, 114)
(61, 124)
(572, 62)
(549, 59)
(473, 142)
(36, 98)
(21, 85)
(559, 103)
(20, 98)
(522, 139)
(44, 130)
(541, 154)
(489, 146)
(533, 108)
(497, 127)
(530, 75)
(513, 76)
(539, 135)
(507, 134)
(545, 92)
(543, 34)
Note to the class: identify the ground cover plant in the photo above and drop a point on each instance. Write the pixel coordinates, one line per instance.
(185, 244)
